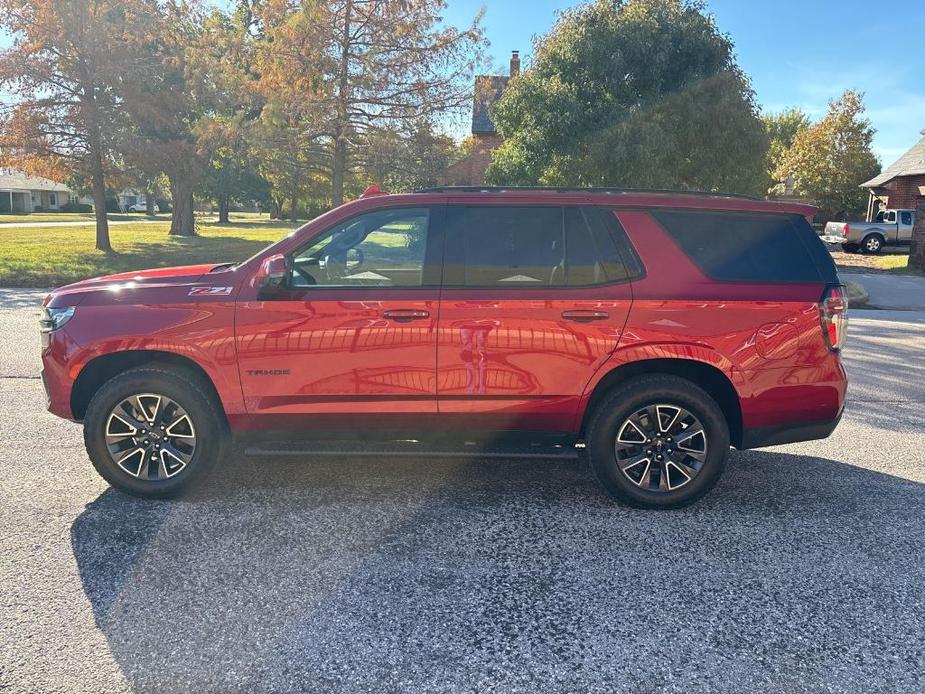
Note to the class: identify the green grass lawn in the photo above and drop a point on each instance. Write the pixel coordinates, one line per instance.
(898, 264)
(52, 256)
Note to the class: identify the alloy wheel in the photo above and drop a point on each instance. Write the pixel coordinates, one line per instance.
(150, 436)
(661, 447)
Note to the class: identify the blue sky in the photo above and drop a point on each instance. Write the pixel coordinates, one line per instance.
(797, 52)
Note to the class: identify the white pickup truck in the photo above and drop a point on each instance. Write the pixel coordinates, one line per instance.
(891, 228)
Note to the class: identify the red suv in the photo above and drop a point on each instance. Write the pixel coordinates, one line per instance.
(651, 329)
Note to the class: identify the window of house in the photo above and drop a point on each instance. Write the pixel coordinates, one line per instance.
(385, 248)
(52, 199)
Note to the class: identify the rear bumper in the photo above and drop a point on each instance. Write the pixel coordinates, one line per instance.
(759, 437)
(793, 404)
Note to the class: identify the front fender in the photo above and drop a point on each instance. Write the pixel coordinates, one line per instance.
(202, 333)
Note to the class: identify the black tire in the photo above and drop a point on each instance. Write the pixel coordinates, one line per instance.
(850, 247)
(872, 244)
(630, 397)
(186, 390)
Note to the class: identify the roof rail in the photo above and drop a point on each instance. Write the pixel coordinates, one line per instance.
(555, 189)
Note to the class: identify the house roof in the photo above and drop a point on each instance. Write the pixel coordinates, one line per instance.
(488, 89)
(19, 181)
(912, 163)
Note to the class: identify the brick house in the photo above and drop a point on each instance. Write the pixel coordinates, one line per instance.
(902, 184)
(470, 171)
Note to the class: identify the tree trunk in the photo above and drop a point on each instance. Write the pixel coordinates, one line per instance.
(149, 203)
(917, 250)
(276, 209)
(340, 138)
(224, 204)
(99, 201)
(294, 210)
(182, 222)
(340, 168)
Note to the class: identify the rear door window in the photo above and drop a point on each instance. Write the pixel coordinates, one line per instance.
(513, 246)
(906, 218)
(744, 247)
(505, 247)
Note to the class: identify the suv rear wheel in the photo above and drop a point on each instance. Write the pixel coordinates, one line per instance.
(151, 432)
(658, 441)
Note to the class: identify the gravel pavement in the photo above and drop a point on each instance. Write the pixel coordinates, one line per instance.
(804, 571)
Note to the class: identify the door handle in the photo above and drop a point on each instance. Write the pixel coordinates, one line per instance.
(405, 315)
(585, 316)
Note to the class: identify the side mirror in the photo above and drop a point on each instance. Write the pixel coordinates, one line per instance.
(272, 272)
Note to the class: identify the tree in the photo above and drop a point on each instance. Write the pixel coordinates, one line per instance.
(65, 59)
(781, 129)
(162, 108)
(348, 69)
(832, 158)
(231, 174)
(407, 161)
(631, 93)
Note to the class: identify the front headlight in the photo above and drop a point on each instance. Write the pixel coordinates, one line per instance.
(54, 318)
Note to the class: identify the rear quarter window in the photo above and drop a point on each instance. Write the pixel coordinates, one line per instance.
(745, 247)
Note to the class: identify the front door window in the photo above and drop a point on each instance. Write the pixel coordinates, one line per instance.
(379, 249)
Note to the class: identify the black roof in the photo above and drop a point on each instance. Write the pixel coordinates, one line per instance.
(558, 189)
(488, 89)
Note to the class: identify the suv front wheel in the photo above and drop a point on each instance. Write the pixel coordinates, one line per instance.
(658, 442)
(151, 431)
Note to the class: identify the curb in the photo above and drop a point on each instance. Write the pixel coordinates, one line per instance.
(857, 295)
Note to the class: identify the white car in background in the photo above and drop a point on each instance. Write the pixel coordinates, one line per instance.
(142, 207)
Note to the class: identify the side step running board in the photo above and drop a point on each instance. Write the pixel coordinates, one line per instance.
(349, 449)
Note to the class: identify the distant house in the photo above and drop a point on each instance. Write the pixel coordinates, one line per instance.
(21, 194)
(901, 184)
(470, 171)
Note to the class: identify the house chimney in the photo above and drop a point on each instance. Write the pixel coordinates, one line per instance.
(515, 63)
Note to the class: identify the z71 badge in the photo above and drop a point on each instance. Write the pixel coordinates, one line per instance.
(210, 291)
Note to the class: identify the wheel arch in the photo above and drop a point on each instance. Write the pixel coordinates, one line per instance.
(702, 374)
(102, 368)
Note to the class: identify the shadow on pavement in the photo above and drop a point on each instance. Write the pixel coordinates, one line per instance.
(387, 575)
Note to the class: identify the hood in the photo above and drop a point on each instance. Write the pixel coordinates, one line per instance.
(162, 276)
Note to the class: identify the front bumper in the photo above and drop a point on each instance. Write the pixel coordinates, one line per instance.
(57, 379)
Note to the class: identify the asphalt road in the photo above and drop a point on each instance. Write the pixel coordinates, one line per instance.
(804, 571)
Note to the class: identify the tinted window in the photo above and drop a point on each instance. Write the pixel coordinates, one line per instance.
(890, 217)
(379, 249)
(591, 255)
(505, 246)
(529, 246)
(743, 247)
(906, 218)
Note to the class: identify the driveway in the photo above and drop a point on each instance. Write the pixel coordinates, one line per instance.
(902, 292)
(802, 572)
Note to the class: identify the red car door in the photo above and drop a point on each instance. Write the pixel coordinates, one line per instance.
(350, 337)
(534, 301)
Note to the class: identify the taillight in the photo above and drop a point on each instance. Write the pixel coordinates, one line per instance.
(845, 231)
(833, 313)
